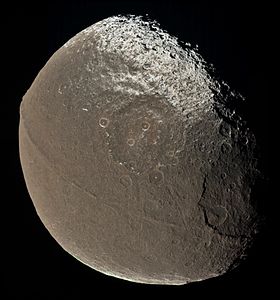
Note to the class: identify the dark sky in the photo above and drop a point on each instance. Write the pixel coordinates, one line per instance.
(235, 37)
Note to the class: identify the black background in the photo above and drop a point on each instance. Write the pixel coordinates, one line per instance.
(235, 37)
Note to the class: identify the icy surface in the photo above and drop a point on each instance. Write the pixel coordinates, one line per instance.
(135, 159)
(152, 62)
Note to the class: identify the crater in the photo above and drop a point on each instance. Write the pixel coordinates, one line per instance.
(156, 177)
(103, 122)
(225, 129)
(126, 181)
(142, 132)
(216, 216)
(130, 142)
(145, 125)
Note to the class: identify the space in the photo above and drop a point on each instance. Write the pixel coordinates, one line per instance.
(227, 35)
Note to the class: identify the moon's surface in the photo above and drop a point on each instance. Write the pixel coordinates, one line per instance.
(133, 160)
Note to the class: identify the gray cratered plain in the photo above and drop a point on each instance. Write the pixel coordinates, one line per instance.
(134, 161)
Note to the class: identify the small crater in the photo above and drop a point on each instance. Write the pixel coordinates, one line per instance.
(214, 163)
(103, 122)
(224, 175)
(156, 177)
(170, 153)
(244, 140)
(146, 66)
(201, 147)
(145, 125)
(132, 165)
(174, 242)
(130, 142)
(126, 181)
(225, 129)
(216, 216)
(171, 159)
(174, 161)
(232, 186)
(225, 147)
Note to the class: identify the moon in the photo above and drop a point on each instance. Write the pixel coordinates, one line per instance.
(135, 160)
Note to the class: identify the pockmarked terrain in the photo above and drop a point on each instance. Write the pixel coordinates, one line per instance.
(135, 161)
